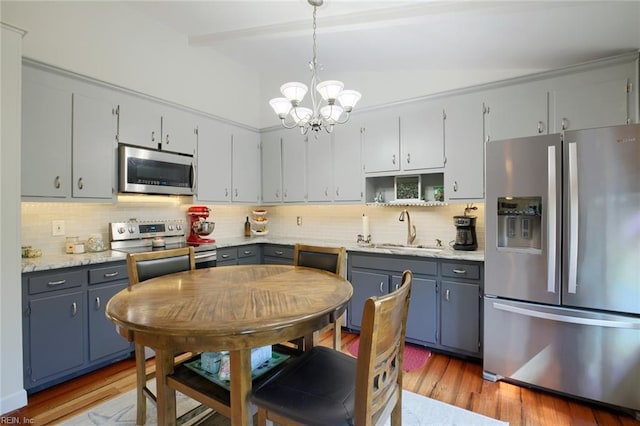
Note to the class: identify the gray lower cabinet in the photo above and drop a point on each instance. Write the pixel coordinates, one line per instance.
(277, 254)
(444, 312)
(65, 330)
(374, 275)
(238, 255)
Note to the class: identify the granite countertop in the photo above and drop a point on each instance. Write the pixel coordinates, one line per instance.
(57, 261)
(445, 253)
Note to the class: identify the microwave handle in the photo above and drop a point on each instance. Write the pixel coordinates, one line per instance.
(193, 177)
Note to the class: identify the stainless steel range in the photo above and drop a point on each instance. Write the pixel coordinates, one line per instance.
(137, 236)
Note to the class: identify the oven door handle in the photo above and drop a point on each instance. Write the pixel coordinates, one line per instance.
(206, 257)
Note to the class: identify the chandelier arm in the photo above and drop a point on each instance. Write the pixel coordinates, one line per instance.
(284, 124)
(346, 118)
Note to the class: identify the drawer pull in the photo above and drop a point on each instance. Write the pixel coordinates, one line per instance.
(98, 304)
(74, 309)
(56, 283)
(224, 256)
(381, 287)
(279, 253)
(248, 252)
(460, 271)
(111, 274)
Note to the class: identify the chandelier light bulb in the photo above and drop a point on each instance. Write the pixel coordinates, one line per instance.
(331, 113)
(348, 99)
(330, 89)
(294, 91)
(281, 106)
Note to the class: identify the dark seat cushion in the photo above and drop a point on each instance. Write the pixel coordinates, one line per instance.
(318, 388)
(324, 261)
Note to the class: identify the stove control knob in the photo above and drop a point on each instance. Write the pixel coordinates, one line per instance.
(121, 230)
(132, 230)
(170, 227)
(178, 227)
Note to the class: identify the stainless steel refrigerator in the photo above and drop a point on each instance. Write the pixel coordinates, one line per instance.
(562, 263)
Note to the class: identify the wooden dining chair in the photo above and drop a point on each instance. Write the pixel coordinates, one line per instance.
(142, 267)
(331, 259)
(328, 387)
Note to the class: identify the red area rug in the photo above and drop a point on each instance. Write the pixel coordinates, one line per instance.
(415, 357)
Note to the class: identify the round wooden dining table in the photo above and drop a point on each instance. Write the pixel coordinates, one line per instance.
(232, 308)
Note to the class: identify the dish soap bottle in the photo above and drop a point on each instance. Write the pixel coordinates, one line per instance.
(247, 228)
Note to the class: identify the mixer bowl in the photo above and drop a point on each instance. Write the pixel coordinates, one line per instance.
(203, 228)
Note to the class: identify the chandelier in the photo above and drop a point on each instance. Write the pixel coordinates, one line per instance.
(324, 111)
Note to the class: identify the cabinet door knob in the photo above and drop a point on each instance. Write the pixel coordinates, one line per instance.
(153, 136)
(167, 140)
(447, 293)
(565, 123)
(540, 127)
(74, 309)
(393, 159)
(455, 186)
(98, 304)
(80, 184)
(381, 287)
(56, 182)
(408, 158)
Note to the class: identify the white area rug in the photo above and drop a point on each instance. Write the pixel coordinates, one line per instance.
(417, 410)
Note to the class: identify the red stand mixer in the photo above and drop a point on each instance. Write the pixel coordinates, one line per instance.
(199, 226)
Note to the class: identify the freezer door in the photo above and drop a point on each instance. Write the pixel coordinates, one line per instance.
(523, 169)
(584, 354)
(601, 267)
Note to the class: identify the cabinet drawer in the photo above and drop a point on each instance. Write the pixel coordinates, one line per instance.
(278, 251)
(227, 254)
(58, 281)
(247, 251)
(107, 274)
(461, 270)
(395, 264)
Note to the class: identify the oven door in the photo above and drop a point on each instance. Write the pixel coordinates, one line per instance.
(147, 171)
(206, 259)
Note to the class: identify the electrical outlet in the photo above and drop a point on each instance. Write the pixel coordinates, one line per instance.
(299, 220)
(57, 227)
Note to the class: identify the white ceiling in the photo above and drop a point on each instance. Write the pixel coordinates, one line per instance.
(404, 35)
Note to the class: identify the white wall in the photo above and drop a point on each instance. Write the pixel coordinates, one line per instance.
(113, 43)
(12, 394)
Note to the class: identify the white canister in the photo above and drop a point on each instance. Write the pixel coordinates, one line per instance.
(70, 244)
(78, 248)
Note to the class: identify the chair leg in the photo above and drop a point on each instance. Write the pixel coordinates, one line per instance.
(337, 334)
(141, 383)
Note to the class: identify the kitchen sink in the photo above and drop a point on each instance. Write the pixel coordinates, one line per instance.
(393, 246)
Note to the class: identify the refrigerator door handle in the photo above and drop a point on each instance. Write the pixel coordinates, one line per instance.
(566, 318)
(573, 217)
(551, 218)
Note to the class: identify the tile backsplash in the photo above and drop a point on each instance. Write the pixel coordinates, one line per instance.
(336, 223)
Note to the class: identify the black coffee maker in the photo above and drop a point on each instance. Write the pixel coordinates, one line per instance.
(465, 231)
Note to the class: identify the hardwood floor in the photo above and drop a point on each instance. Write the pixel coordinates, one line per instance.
(445, 378)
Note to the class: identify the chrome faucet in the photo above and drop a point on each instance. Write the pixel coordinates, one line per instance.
(411, 229)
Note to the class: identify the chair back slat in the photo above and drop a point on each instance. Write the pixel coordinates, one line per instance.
(144, 266)
(326, 258)
(381, 348)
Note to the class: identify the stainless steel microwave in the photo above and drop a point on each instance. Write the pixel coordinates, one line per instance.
(147, 171)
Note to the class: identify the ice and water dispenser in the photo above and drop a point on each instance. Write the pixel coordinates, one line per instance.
(520, 223)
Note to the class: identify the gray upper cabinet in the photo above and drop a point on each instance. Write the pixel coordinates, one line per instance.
(46, 136)
(294, 153)
(214, 161)
(595, 98)
(68, 138)
(178, 131)
(516, 111)
(139, 121)
(381, 141)
(320, 166)
(464, 148)
(272, 167)
(245, 167)
(94, 147)
(348, 178)
(421, 136)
